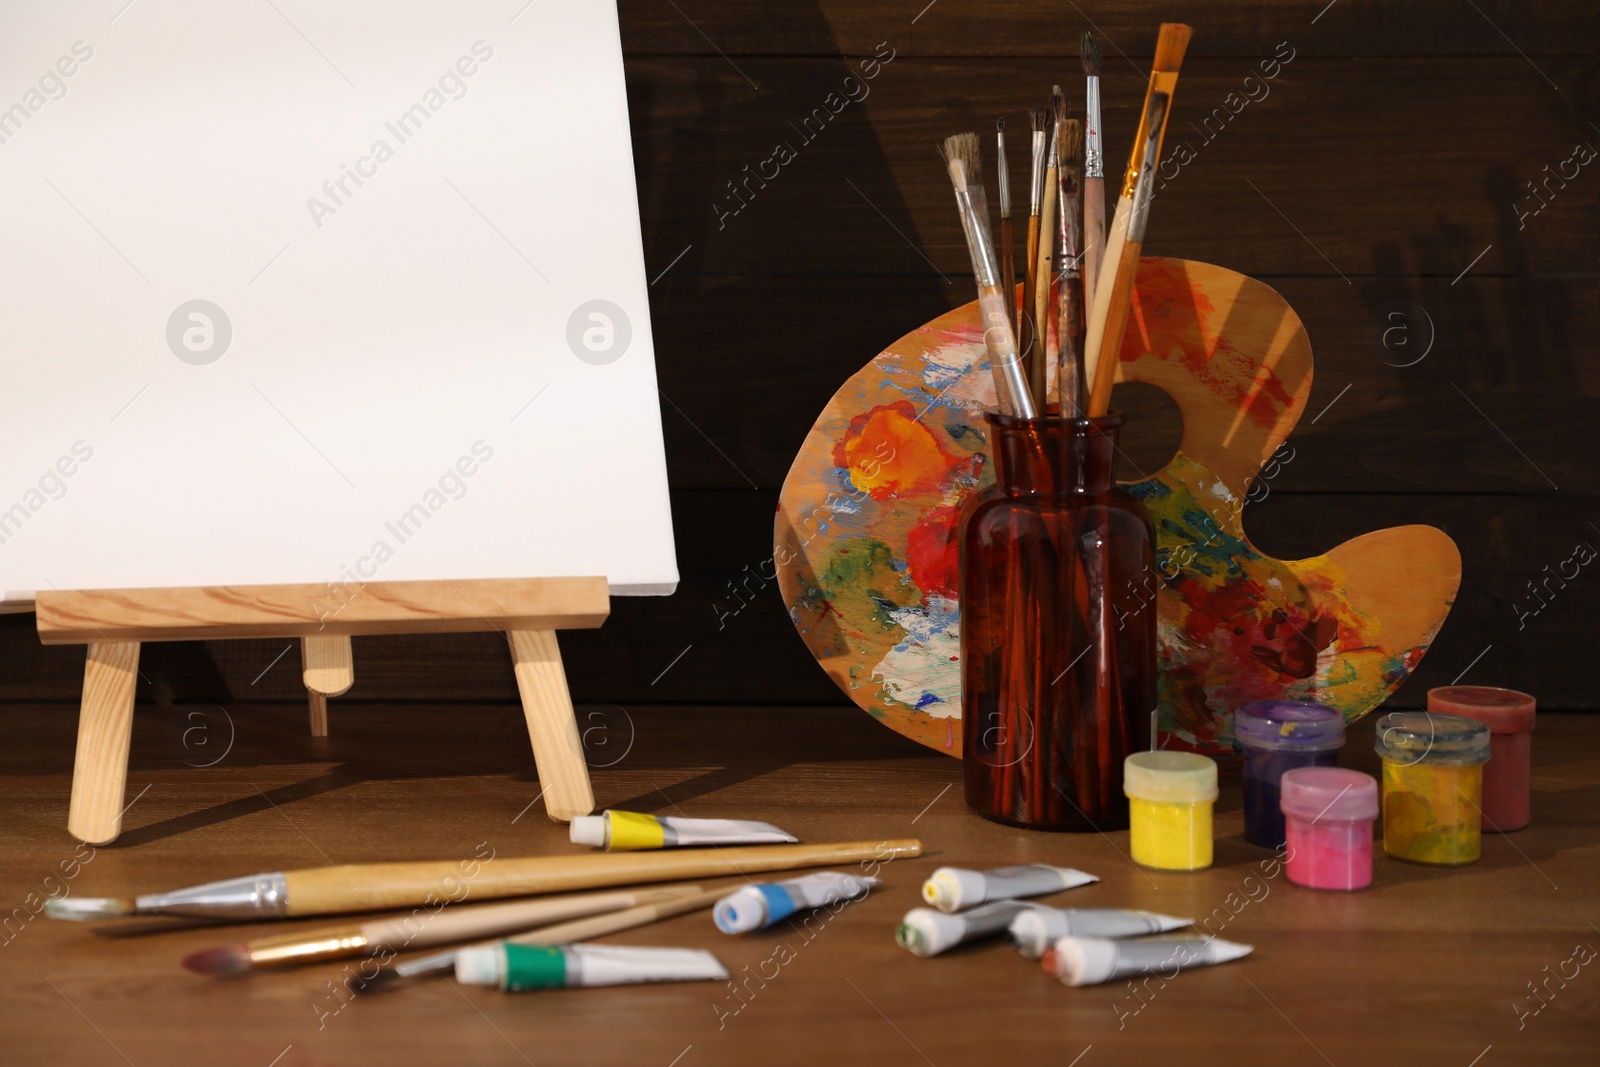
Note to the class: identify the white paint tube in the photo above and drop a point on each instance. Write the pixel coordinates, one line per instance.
(952, 888)
(925, 932)
(626, 831)
(758, 906)
(515, 967)
(1079, 961)
(1035, 930)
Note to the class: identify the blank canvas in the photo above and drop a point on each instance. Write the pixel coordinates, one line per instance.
(306, 291)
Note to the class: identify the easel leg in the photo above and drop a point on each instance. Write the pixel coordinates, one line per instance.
(105, 729)
(551, 727)
(328, 670)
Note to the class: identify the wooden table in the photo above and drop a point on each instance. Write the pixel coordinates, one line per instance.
(1428, 967)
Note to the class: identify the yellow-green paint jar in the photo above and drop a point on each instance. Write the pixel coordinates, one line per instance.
(1170, 797)
(1432, 786)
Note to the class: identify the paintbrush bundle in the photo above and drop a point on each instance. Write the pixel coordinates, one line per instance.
(1077, 284)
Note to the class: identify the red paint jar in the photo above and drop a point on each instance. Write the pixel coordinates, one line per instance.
(1509, 716)
(1058, 627)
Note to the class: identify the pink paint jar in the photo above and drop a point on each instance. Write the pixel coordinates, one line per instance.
(1328, 814)
(1509, 716)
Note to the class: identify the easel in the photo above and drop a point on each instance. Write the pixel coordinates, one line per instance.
(113, 623)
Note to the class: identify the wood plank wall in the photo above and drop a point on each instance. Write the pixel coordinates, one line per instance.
(1378, 178)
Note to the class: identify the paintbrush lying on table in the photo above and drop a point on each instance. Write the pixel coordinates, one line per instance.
(377, 886)
(430, 929)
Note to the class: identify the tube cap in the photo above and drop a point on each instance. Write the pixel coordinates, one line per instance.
(1082, 960)
(1183, 777)
(1289, 725)
(925, 932)
(1503, 711)
(1421, 737)
(1329, 794)
(951, 888)
(480, 965)
(588, 830)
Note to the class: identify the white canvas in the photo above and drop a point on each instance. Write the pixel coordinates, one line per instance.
(416, 385)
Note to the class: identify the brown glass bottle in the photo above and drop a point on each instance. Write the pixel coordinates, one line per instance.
(1058, 627)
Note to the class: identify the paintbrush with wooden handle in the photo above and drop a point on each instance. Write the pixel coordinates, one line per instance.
(1094, 183)
(1114, 287)
(378, 886)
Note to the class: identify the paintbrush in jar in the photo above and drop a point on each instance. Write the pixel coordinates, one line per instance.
(1094, 184)
(1114, 286)
(1070, 288)
(1028, 331)
(1008, 239)
(1040, 356)
(963, 162)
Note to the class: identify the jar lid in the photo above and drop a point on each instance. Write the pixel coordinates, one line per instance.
(1184, 777)
(1329, 794)
(1503, 711)
(1298, 725)
(1423, 737)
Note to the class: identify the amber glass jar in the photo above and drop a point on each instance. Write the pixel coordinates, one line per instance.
(1058, 627)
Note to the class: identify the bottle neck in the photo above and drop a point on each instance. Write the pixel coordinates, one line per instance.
(1054, 455)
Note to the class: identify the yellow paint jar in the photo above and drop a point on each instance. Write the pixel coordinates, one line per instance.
(1432, 786)
(1170, 797)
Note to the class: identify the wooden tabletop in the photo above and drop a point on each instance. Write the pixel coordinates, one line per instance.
(1430, 966)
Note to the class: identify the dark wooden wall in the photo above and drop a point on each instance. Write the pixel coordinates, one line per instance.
(1380, 184)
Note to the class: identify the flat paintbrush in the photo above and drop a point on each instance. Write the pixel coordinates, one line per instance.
(1094, 184)
(1007, 251)
(1114, 286)
(448, 925)
(381, 886)
(964, 165)
(1069, 231)
(1028, 334)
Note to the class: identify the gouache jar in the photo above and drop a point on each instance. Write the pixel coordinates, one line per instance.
(1170, 797)
(1432, 786)
(1328, 814)
(1509, 716)
(1278, 736)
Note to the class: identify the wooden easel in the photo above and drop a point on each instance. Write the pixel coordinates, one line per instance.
(113, 623)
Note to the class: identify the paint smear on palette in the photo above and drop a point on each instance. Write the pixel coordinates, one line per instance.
(923, 671)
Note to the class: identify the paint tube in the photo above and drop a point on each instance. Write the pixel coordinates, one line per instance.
(758, 906)
(1035, 930)
(952, 888)
(925, 932)
(515, 967)
(626, 831)
(1081, 961)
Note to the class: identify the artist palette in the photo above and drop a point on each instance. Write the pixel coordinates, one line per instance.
(865, 530)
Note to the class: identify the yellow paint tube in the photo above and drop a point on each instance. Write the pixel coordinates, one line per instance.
(629, 831)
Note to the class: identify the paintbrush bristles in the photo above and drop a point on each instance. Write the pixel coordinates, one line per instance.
(1089, 53)
(1037, 117)
(962, 158)
(1172, 43)
(1069, 139)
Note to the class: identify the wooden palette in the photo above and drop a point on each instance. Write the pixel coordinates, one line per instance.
(865, 530)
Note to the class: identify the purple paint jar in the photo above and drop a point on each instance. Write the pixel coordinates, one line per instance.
(1279, 736)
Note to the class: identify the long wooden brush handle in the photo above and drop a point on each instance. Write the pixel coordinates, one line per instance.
(1104, 294)
(1026, 327)
(1038, 364)
(375, 886)
(1008, 273)
(1111, 303)
(600, 925)
(1094, 235)
(470, 923)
